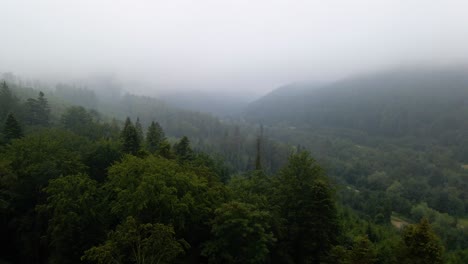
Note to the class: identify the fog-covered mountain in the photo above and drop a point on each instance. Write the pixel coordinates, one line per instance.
(218, 104)
(398, 102)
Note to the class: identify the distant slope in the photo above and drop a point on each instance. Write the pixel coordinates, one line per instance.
(417, 102)
(218, 104)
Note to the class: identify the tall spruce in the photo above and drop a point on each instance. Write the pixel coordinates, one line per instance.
(307, 207)
(38, 111)
(12, 129)
(139, 130)
(258, 157)
(7, 101)
(258, 161)
(130, 139)
(182, 149)
(154, 137)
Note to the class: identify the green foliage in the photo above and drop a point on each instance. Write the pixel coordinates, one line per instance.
(154, 137)
(157, 189)
(76, 216)
(8, 102)
(363, 251)
(34, 160)
(130, 138)
(101, 156)
(81, 122)
(399, 165)
(7, 180)
(42, 156)
(420, 245)
(182, 149)
(38, 111)
(254, 188)
(305, 201)
(139, 130)
(165, 150)
(458, 256)
(240, 235)
(445, 226)
(132, 242)
(12, 129)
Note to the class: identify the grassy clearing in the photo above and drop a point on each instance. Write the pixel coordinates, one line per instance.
(398, 221)
(463, 223)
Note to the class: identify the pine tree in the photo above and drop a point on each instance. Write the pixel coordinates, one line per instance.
(12, 129)
(130, 139)
(182, 149)
(306, 204)
(38, 111)
(139, 130)
(44, 109)
(7, 101)
(154, 137)
(258, 158)
(258, 161)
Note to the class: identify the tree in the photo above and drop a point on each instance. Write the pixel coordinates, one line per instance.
(154, 137)
(363, 251)
(132, 242)
(36, 159)
(7, 180)
(305, 201)
(101, 156)
(420, 244)
(258, 157)
(38, 111)
(253, 188)
(76, 216)
(44, 107)
(42, 156)
(136, 181)
(139, 130)
(79, 121)
(7, 101)
(182, 149)
(241, 234)
(130, 139)
(12, 129)
(165, 150)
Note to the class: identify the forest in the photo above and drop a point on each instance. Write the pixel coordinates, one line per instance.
(131, 179)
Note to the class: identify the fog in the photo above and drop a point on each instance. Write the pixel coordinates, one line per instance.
(232, 47)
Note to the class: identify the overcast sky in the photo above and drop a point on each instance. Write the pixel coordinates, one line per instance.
(244, 46)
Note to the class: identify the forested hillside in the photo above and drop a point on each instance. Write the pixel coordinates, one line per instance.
(137, 181)
(417, 102)
(220, 131)
(396, 141)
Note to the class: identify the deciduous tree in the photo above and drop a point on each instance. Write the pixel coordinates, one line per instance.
(133, 242)
(421, 245)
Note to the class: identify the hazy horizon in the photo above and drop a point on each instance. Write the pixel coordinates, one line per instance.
(233, 47)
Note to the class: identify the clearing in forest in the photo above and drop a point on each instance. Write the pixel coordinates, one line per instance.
(398, 221)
